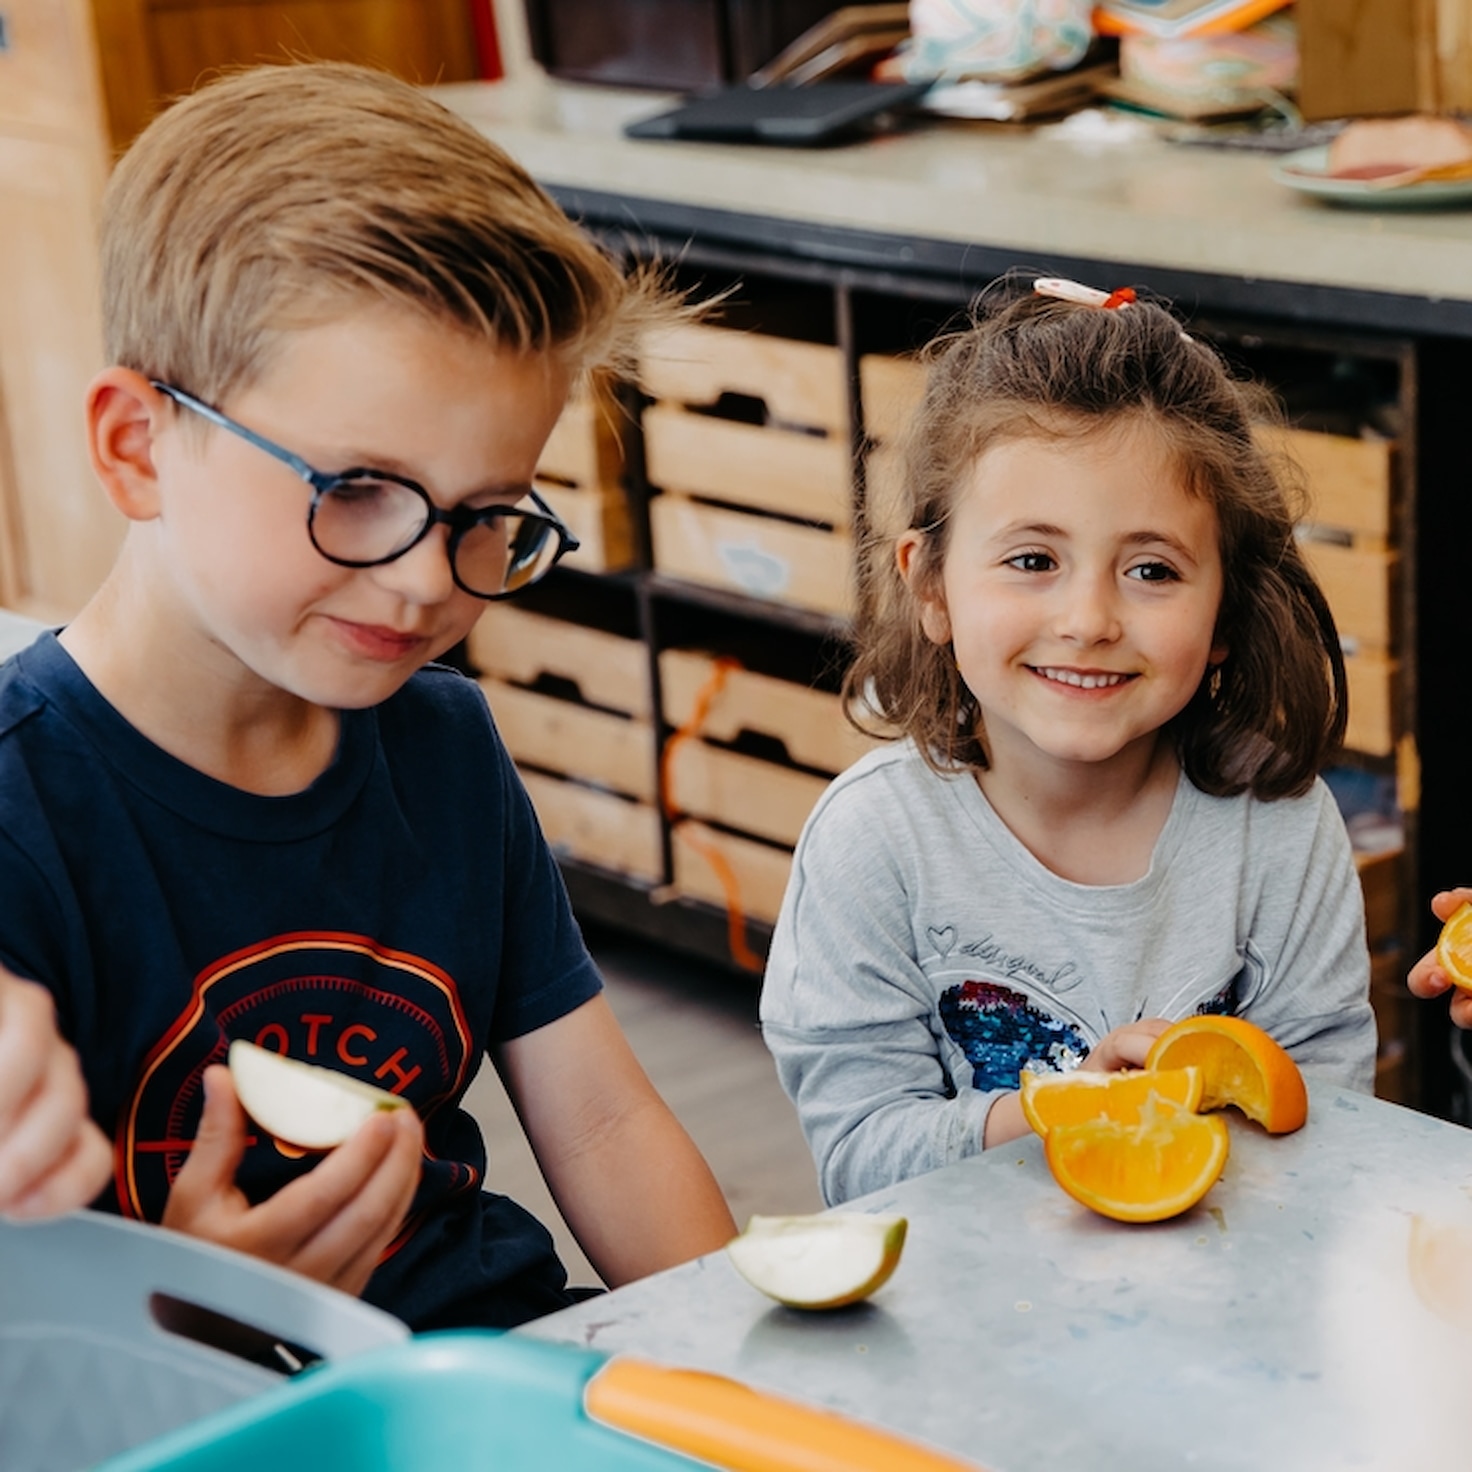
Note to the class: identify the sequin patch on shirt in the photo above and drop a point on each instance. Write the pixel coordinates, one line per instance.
(1001, 1031)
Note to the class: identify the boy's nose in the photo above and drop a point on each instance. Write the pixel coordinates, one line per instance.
(422, 575)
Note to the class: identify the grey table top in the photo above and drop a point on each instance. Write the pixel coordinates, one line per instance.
(1315, 1311)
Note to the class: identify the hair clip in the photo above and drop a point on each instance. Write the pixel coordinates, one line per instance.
(1083, 296)
(1089, 296)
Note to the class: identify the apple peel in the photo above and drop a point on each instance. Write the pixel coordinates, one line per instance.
(303, 1104)
(823, 1261)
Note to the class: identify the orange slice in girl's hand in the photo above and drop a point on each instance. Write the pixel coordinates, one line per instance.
(1155, 1168)
(1050, 1099)
(1454, 948)
(1240, 1064)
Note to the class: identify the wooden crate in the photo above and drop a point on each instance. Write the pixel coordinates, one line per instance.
(741, 792)
(760, 870)
(759, 508)
(760, 556)
(598, 827)
(890, 391)
(802, 384)
(607, 670)
(1374, 703)
(580, 476)
(1350, 481)
(809, 723)
(595, 746)
(1380, 878)
(748, 465)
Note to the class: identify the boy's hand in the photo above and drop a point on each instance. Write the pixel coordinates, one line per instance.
(332, 1224)
(52, 1157)
(1426, 978)
(1125, 1047)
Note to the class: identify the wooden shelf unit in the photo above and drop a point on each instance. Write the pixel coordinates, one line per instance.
(729, 477)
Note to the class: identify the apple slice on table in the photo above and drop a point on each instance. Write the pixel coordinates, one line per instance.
(822, 1261)
(311, 1107)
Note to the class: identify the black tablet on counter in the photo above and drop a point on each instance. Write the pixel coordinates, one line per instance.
(821, 112)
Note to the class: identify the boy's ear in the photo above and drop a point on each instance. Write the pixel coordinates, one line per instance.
(123, 414)
(935, 621)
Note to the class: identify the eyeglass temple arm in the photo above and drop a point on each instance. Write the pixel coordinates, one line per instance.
(314, 478)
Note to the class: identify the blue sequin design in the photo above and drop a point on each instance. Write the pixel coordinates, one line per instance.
(1001, 1032)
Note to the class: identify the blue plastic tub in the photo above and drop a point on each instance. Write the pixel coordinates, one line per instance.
(461, 1401)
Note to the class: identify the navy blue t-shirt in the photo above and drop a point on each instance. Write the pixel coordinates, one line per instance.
(392, 921)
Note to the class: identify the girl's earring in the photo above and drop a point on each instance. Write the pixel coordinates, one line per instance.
(1214, 682)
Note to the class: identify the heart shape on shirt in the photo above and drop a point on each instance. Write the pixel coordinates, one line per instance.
(942, 937)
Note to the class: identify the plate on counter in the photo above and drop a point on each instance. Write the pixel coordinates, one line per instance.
(1308, 172)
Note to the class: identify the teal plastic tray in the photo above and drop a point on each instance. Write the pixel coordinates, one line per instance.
(461, 1401)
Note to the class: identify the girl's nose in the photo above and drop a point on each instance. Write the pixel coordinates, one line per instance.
(1088, 611)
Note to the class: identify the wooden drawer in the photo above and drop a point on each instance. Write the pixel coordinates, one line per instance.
(576, 740)
(1361, 588)
(1350, 481)
(1374, 689)
(583, 449)
(890, 390)
(756, 555)
(809, 723)
(1380, 878)
(513, 645)
(580, 477)
(741, 792)
(599, 520)
(801, 384)
(759, 870)
(598, 828)
(776, 470)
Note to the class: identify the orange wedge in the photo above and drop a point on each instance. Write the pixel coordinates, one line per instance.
(1155, 1168)
(1050, 1099)
(1454, 947)
(1241, 1065)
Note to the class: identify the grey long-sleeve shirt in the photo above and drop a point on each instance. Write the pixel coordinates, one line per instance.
(923, 956)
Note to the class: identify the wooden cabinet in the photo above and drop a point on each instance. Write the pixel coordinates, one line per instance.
(57, 533)
(762, 443)
(155, 49)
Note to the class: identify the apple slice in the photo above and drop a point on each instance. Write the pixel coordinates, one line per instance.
(823, 1261)
(304, 1105)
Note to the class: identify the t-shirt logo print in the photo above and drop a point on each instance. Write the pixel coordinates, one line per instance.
(1001, 1031)
(383, 1016)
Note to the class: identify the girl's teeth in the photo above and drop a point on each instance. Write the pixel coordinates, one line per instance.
(1084, 682)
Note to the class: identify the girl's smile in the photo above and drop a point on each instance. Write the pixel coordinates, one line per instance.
(1079, 592)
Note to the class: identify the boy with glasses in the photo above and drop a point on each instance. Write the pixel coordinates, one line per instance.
(237, 800)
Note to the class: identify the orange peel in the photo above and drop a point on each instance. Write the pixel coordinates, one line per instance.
(1240, 1065)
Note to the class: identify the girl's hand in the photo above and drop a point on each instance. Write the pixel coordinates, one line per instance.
(52, 1157)
(1125, 1047)
(1426, 978)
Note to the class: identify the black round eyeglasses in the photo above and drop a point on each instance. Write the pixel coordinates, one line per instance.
(364, 518)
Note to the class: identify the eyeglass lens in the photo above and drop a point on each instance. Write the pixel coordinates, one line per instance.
(367, 520)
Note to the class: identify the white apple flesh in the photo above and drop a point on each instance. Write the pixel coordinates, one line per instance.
(302, 1104)
(817, 1262)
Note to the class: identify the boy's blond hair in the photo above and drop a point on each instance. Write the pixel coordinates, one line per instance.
(276, 197)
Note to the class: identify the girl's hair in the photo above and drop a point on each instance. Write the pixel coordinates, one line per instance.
(281, 196)
(1033, 367)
